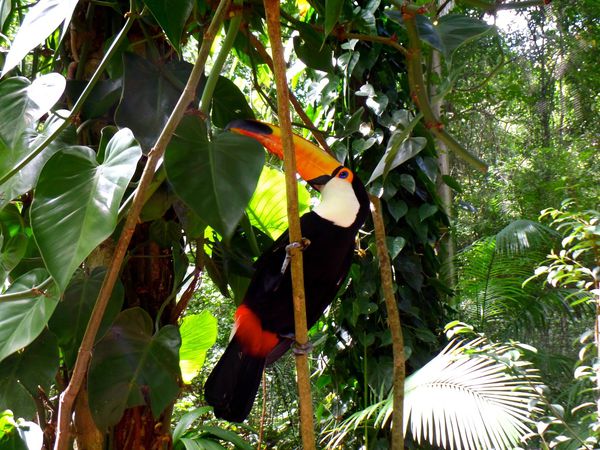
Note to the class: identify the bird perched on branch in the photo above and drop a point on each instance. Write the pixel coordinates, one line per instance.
(264, 322)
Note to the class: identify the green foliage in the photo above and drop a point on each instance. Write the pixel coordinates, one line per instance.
(77, 201)
(132, 366)
(231, 165)
(198, 334)
(19, 434)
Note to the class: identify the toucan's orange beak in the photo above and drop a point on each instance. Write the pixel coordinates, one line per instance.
(313, 164)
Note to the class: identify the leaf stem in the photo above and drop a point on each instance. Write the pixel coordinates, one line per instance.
(215, 72)
(68, 396)
(34, 291)
(420, 94)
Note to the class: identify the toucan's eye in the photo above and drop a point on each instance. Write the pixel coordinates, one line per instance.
(343, 174)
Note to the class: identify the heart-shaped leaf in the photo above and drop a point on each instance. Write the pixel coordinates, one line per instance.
(229, 103)
(22, 320)
(42, 19)
(456, 30)
(198, 334)
(72, 314)
(132, 367)
(26, 178)
(150, 93)
(171, 16)
(76, 202)
(215, 179)
(267, 209)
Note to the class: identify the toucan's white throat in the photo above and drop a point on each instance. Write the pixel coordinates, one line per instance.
(338, 203)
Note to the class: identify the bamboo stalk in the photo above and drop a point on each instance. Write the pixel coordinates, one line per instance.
(67, 398)
(387, 286)
(295, 234)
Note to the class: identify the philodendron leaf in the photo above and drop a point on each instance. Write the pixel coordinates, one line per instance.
(456, 30)
(41, 20)
(22, 372)
(198, 334)
(215, 179)
(267, 209)
(76, 202)
(72, 314)
(22, 103)
(22, 320)
(171, 16)
(333, 10)
(26, 178)
(398, 153)
(150, 92)
(132, 367)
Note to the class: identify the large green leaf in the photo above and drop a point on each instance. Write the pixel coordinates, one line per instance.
(456, 30)
(132, 367)
(449, 33)
(216, 179)
(22, 372)
(22, 103)
(171, 16)
(72, 314)
(13, 241)
(229, 103)
(41, 20)
(150, 92)
(76, 202)
(22, 320)
(267, 209)
(19, 434)
(26, 178)
(198, 334)
(333, 10)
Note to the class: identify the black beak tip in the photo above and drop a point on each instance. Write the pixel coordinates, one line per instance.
(253, 126)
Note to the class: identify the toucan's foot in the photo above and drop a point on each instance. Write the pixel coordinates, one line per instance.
(302, 349)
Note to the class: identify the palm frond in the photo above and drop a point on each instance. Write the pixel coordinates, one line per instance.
(522, 235)
(467, 397)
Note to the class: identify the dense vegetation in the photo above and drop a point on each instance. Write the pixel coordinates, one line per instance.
(496, 271)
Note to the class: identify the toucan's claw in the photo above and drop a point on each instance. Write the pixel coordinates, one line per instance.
(288, 252)
(302, 349)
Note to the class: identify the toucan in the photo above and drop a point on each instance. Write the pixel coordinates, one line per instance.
(264, 322)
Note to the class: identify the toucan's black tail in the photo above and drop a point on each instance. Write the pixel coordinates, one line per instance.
(232, 385)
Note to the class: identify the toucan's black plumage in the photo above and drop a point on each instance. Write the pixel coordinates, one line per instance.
(265, 319)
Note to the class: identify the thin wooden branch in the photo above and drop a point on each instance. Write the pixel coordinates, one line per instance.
(262, 51)
(419, 90)
(69, 395)
(303, 375)
(387, 286)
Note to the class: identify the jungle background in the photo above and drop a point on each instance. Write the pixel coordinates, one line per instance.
(474, 121)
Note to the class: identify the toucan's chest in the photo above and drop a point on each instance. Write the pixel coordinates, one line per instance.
(326, 262)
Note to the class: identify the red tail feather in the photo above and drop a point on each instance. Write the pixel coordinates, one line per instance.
(250, 334)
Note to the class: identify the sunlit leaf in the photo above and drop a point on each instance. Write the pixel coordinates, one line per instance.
(76, 202)
(22, 320)
(267, 209)
(19, 434)
(198, 334)
(42, 19)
